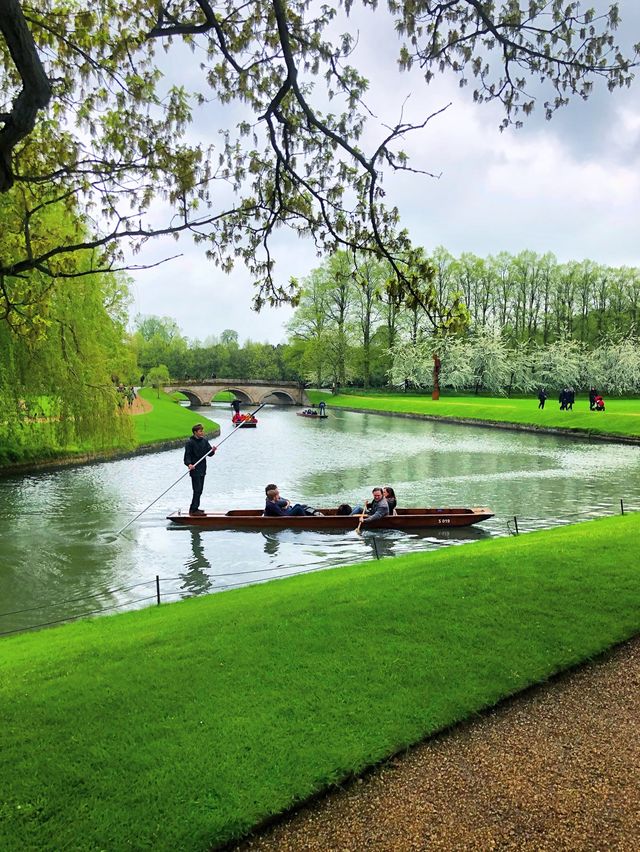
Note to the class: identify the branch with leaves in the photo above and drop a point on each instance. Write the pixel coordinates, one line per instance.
(122, 139)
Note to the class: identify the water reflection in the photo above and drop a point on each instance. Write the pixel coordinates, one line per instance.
(271, 544)
(196, 580)
(394, 543)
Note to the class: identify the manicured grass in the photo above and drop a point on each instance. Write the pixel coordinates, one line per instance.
(622, 416)
(167, 420)
(182, 726)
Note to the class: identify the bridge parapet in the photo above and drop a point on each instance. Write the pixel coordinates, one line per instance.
(248, 391)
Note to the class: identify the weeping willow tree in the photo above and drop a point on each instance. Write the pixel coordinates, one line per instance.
(61, 340)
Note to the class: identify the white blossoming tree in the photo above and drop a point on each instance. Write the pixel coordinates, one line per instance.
(615, 367)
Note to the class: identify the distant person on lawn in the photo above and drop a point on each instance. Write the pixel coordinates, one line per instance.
(196, 448)
(542, 397)
(563, 399)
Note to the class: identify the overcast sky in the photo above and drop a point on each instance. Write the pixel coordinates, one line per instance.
(570, 186)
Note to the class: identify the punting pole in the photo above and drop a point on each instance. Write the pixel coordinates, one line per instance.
(218, 445)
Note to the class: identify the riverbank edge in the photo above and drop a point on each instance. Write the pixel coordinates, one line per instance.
(583, 434)
(61, 462)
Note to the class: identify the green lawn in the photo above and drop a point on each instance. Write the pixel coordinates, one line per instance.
(622, 416)
(167, 420)
(182, 726)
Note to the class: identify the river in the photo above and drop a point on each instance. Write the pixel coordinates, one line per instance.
(61, 557)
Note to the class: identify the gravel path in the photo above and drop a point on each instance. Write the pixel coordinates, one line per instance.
(557, 768)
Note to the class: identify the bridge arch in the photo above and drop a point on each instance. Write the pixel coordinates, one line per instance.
(283, 397)
(243, 396)
(193, 397)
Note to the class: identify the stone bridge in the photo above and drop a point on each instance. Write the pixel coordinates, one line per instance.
(248, 391)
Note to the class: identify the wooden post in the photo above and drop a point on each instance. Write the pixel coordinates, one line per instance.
(515, 521)
(158, 589)
(621, 507)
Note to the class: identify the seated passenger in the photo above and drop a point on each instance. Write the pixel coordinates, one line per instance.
(284, 504)
(274, 505)
(390, 494)
(375, 509)
(343, 509)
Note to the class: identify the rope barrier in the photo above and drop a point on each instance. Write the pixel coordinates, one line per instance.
(74, 617)
(77, 600)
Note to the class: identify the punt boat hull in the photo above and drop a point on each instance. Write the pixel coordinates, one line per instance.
(406, 519)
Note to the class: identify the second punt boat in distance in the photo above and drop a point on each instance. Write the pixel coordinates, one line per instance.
(309, 412)
(406, 519)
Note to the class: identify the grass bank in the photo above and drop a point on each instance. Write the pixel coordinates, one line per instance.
(167, 420)
(621, 418)
(182, 726)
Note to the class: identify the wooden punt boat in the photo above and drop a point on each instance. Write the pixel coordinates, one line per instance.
(313, 415)
(406, 519)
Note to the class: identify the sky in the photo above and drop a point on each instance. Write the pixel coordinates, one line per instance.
(570, 186)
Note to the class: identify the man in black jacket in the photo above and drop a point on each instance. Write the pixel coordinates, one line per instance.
(196, 448)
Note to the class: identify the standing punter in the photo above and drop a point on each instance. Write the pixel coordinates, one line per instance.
(195, 449)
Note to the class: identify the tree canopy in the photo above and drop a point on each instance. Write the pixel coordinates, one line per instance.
(89, 117)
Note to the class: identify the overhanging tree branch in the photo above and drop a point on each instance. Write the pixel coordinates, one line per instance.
(120, 139)
(36, 89)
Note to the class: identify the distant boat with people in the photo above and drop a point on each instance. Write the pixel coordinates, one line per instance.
(311, 412)
(244, 421)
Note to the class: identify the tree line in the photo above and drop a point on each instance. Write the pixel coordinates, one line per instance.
(533, 297)
(522, 321)
(504, 324)
(484, 361)
(515, 314)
